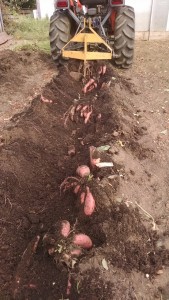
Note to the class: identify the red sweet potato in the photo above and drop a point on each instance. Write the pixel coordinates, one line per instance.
(82, 197)
(84, 108)
(65, 228)
(104, 69)
(82, 240)
(88, 116)
(69, 286)
(76, 252)
(77, 189)
(45, 100)
(83, 171)
(89, 205)
(87, 86)
(78, 107)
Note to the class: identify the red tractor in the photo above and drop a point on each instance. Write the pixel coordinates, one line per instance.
(112, 20)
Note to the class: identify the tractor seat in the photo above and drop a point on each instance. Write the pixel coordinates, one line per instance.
(93, 3)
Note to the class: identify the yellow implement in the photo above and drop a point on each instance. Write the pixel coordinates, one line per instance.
(87, 36)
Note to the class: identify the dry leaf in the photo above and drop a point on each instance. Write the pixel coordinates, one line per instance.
(104, 264)
(164, 132)
(103, 148)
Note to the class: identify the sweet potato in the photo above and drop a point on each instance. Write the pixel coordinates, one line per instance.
(87, 86)
(45, 100)
(82, 197)
(86, 112)
(69, 285)
(76, 252)
(72, 113)
(84, 108)
(77, 189)
(65, 228)
(51, 251)
(89, 205)
(83, 171)
(82, 240)
(92, 87)
(87, 117)
(78, 107)
(104, 69)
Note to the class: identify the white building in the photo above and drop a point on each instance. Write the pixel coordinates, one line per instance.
(152, 16)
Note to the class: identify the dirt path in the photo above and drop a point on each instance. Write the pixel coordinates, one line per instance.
(127, 254)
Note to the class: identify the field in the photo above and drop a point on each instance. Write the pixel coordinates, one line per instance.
(129, 228)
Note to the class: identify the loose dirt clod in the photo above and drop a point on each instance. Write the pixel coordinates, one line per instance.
(76, 75)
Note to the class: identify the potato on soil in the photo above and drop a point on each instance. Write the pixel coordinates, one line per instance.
(76, 252)
(65, 228)
(83, 171)
(82, 197)
(89, 205)
(82, 240)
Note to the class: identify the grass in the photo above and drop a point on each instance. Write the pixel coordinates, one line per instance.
(34, 33)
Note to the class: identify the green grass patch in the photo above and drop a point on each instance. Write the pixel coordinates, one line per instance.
(34, 33)
(27, 28)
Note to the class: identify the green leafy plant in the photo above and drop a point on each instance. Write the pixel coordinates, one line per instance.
(19, 4)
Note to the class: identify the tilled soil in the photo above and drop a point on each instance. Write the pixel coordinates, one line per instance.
(128, 249)
(21, 77)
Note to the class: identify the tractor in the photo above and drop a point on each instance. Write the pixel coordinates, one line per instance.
(92, 30)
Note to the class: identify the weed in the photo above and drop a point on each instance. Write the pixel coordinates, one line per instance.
(31, 33)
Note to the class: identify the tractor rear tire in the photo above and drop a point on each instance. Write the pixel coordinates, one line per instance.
(59, 33)
(124, 37)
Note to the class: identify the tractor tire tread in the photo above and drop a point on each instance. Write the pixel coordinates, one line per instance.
(59, 33)
(124, 36)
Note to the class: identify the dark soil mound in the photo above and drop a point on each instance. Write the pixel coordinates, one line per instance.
(34, 161)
